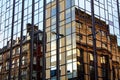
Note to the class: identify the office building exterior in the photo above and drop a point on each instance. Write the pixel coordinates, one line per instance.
(81, 38)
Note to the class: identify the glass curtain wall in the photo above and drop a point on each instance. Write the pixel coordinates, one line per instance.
(69, 52)
(107, 36)
(64, 30)
(14, 17)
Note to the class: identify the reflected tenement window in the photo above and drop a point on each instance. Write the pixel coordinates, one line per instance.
(79, 24)
(105, 67)
(80, 63)
(91, 66)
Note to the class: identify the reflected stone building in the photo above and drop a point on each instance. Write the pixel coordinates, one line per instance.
(24, 65)
(84, 46)
(115, 50)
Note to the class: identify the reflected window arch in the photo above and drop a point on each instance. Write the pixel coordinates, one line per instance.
(91, 65)
(80, 63)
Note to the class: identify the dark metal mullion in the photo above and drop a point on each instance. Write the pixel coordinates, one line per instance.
(86, 44)
(118, 19)
(57, 40)
(21, 41)
(107, 41)
(44, 41)
(71, 32)
(0, 30)
(94, 40)
(11, 46)
(32, 41)
(1, 15)
(118, 15)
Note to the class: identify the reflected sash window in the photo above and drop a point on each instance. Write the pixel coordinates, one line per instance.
(91, 66)
(80, 63)
(105, 66)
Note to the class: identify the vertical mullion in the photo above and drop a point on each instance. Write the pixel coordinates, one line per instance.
(118, 15)
(94, 40)
(57, 40)
(44, 41)
(32, 42)
(11, 46)
(118, 21)
(21, 41)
